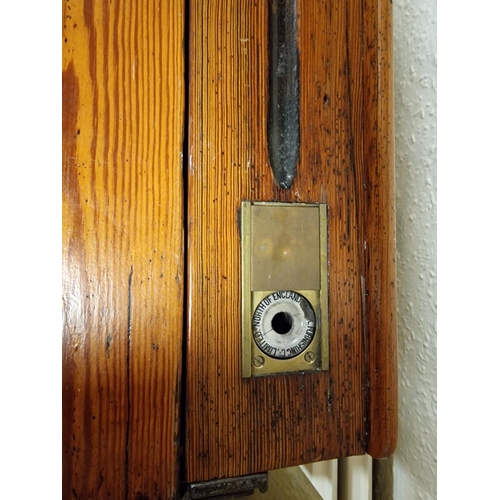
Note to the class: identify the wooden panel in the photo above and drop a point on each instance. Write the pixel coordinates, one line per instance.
(237, 426)
(123, 100)
(380, 249)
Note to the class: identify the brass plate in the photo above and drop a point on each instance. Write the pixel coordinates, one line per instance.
(284, 250)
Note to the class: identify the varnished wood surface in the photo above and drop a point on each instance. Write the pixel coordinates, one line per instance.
(123, 105)
(380, 250)
(236, 426)
(123, 92)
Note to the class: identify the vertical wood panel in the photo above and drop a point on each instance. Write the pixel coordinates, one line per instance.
(123, 104)
(237, 426)
(380, 251)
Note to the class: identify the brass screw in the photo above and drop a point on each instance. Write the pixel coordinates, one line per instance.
(258, 361)
(309, 357)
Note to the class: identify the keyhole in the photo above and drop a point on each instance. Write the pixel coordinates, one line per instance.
(282, 323)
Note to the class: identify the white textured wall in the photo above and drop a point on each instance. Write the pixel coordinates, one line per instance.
(414, 464)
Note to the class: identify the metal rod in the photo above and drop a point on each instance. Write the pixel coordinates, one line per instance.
(228, 488)
(283, 129)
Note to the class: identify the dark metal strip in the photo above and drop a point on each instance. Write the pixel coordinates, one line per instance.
(283, 129)
(228, 487)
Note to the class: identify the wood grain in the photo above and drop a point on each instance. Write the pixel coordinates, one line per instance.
(123, 105)
(236, 426)
(380, 250)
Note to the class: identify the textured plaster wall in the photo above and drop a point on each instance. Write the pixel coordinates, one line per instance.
(415, 49)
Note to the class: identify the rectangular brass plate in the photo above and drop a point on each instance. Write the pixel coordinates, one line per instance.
(284, 275)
